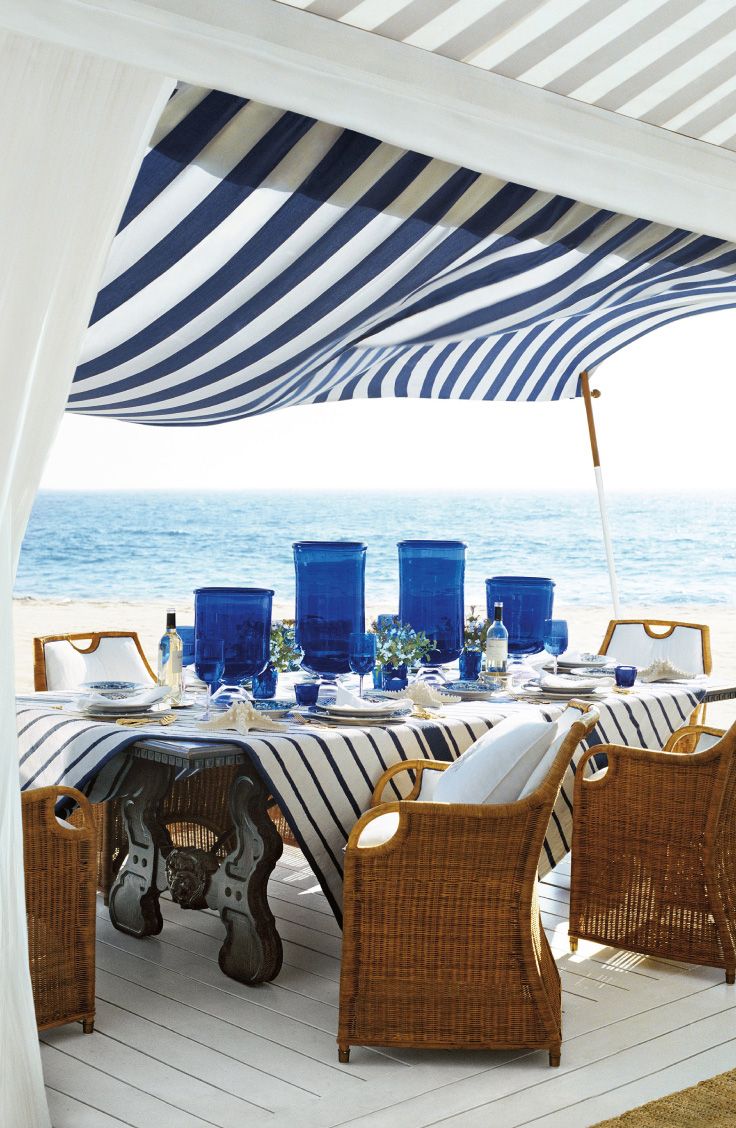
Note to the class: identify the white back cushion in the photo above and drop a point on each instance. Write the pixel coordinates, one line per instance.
(115, 658)
(562, 725)
(498, 765)
(630, 644)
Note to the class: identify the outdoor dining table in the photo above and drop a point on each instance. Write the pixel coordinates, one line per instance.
(321, 777)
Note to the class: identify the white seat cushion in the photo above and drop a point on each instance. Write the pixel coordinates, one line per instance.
(379, 830)
(498, 765)
(115, 659)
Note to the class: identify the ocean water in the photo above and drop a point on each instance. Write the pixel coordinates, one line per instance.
(161, 545)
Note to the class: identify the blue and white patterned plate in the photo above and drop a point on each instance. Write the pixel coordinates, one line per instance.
(470, 690)
(114, 690)
(272, 705)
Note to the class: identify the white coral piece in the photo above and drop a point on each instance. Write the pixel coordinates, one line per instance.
(242, 717)
(663, 670)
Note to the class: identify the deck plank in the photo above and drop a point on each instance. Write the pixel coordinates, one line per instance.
(179, 1044)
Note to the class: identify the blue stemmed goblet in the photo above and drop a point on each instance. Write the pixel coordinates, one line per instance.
(362, 654)
(554, 637)
(209, 664)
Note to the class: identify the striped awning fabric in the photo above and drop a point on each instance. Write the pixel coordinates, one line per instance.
(266, 259)
(666, 62)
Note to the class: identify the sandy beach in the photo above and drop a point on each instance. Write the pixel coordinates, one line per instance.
(587, 626)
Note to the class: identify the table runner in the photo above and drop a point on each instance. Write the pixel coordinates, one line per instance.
(323, 778)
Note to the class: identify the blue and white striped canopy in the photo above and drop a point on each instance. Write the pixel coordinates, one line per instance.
(266, 259)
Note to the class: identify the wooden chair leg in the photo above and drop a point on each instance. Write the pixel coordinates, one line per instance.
(573, 943)
(554, 1056)
(730, 975)
(88, 1026)
(343, 1053)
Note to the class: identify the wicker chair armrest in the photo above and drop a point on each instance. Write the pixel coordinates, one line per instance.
(418, 766)
(638, 778)
(47, 798)
(691, 732)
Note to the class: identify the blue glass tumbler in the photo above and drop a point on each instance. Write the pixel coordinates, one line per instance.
(470, 662)
(330, 603)
(527, 602)
(432, 594)
(241, 617)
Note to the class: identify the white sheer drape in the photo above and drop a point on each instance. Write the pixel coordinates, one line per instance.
(73, 130)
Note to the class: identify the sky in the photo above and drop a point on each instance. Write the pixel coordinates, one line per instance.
(665, 421)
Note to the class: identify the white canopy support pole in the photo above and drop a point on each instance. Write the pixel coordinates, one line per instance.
(588, 397)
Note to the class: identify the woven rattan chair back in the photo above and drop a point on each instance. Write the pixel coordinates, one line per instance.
(443, 944)
(121, 647)
(59, 868)
(654, 854)
(639, 642)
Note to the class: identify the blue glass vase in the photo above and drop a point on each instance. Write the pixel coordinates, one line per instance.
(241, 617)
(527, 602)
(431, 594)
(264, 684)
(394, 677)
(470, 663)
(330, 603)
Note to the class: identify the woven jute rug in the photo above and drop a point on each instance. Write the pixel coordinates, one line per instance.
(711, 1104)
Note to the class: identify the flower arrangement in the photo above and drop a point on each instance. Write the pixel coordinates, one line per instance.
(285, 654)
(398, 644)
(476, 629)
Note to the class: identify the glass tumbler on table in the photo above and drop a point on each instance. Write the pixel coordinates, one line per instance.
(362, 654)
(554, 637)
(209, 665)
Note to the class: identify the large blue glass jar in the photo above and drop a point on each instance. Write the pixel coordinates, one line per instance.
(330, 602)
(527, 602)
(431, 594)
(241, 617)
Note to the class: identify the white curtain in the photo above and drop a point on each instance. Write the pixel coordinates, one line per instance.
(73, 130)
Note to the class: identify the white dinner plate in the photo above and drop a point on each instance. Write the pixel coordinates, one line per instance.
(583, 661)
(377, 709)
(561, 695)
(122, 710)
(312, 713)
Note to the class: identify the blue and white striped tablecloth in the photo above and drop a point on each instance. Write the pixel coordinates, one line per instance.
(323, 778)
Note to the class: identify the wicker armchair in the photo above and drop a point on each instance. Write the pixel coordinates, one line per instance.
(195, 811)
(443, 943)
(59, 863)
(654, 853)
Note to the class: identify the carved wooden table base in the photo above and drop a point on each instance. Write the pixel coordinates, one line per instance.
(236, 887)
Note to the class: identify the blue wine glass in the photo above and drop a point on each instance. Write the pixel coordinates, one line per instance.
(554, 636)
(209, 664)
(361, 654)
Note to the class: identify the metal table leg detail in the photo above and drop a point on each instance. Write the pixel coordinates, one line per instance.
(134, 897)
(252, 951)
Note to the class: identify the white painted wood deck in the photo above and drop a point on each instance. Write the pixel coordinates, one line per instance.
(178, 1045)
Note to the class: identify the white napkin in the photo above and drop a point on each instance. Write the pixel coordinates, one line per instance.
(424, 695)
(242, 717)
(561, 684)
(91, 701)
(345, 699)
(663, 670)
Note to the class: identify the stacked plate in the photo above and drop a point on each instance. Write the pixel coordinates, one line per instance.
(369, 713)
(585, 661)
(470, 690)
(565, 686)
